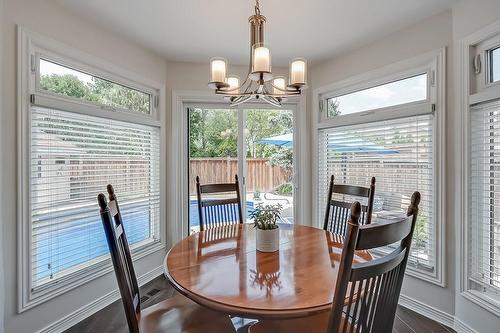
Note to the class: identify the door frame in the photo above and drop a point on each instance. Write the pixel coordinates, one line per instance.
(178, 206)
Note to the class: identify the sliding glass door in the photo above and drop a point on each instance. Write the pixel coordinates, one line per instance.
(269, 158)
(255, 143)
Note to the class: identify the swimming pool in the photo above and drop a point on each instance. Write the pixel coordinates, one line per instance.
(194, 216)
(83, 239)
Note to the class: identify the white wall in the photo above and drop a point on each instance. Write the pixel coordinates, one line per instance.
(2, 290)
(442, 30)
(47, 18)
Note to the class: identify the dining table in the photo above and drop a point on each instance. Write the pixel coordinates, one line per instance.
(221, 269)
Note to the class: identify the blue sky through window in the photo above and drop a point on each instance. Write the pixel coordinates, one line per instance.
(404, 91)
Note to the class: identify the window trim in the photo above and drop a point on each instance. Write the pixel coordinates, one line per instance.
(483, 49)
(466, 98)
(39, 53)
(28, 44)
(371, 84)
(434, 63)
(352, 85)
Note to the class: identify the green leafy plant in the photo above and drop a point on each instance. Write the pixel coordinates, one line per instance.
(284, 189)
(266, 216)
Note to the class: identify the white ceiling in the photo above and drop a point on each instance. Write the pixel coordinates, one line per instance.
(196, 30)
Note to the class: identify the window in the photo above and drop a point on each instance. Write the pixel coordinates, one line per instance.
(83, 129)
(387, 124)
(66, 227)
(399, 153)
(484, 194)
(407, 90)
(66, 81)
(495, 64)
(482, 180)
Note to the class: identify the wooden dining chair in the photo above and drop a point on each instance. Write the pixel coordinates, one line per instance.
(337, 211)
(366, 294)
(219, 211)
(174, 315)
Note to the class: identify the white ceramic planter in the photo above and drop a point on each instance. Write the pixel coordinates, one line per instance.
(268, 240)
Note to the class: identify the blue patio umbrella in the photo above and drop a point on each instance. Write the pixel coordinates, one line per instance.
(358, 145)
(284, 140)
(346, 145)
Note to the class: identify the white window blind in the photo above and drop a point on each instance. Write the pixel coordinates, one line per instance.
(73, 158)
(400, 154)
(484, 198)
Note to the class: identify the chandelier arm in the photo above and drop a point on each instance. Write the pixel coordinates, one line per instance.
(241, 100)
(287, 93)
(272, 100)
(264, 88)
(286, 90)
(223, 93)
(249, 86)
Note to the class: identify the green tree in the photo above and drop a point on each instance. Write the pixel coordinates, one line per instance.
(333, 107)
(212, 133)
(99, 90)
(263, 124)
(67, 84)
(283, 158)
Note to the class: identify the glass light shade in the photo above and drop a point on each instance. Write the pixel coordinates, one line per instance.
(234, 83)
(218, 68)
(298, 72)
(279, 83)
(261, 59)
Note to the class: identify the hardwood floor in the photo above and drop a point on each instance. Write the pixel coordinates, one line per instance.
(112, 318)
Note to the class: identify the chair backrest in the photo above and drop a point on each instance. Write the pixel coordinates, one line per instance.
(366, 294)
(219, 211)
(337, 211)
(120, 256)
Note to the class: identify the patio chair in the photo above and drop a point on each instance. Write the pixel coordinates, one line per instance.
(223, 207)
(176, 314)
(337, 211)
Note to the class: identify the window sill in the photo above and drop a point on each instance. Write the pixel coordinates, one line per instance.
(420, 271)
(78, 278)
(426, 275)
(482, 300)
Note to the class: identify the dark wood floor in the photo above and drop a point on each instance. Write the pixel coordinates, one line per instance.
(112, 318)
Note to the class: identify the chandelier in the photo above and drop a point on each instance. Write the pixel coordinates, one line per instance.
(260, 83)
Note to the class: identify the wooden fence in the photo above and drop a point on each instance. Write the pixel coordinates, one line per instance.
(260, 175)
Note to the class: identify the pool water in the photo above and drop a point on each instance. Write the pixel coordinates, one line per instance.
(84, 240)
(194, 216)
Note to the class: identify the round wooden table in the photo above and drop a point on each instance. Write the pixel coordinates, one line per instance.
(221, 269)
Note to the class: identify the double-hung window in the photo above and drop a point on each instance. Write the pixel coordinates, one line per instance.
(388, 127)
(83, 128)
(482, 162)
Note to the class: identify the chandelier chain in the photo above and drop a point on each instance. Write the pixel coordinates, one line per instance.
(257, 7)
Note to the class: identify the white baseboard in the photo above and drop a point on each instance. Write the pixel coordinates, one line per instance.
(427, 311)
(435, 314)
(100, 303)
(462, 327)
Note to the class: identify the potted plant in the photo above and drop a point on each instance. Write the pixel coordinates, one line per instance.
(266, 219)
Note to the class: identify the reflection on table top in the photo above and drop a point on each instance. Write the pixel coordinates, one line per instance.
(220, 268)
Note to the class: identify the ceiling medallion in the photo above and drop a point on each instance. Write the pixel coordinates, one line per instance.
(260, 83)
